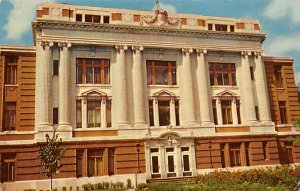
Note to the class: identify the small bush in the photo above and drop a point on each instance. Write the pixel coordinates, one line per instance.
(64, 188)
(70, 188)
(119, 184)
(106, 185)
(142, 186)
(129, 185)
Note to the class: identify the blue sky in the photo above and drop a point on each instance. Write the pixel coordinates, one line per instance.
(279, 19)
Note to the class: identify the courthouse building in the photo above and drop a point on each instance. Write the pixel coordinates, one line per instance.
(144, 95)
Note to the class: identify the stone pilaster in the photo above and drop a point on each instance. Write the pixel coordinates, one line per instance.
(234, 112)
(246, 89)
(261, 87)
(44, 85)
(138, 87)
(187, 88)
(203, 88)
(121, 90)
(155, 112)
(103, 113)
(178, 161)
(172, 112)
(64, 85)
(219, 111)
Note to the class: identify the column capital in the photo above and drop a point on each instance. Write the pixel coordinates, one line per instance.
(186, 51)
(258, 54)
(45, 44)
(121, 48)
(245, 53)
(137, 48)
(201, 51)
(62, 45)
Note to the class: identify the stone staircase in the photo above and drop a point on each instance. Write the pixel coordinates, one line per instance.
(176, 180)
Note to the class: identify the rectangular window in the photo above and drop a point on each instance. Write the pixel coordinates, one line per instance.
(8, 167)
(94, 113)
(161, 72)
(278, 76)
(78, 114)
(288, 151)
(221, 27)
(164, 112)
(238, 110)
(55, 115)
(79, 158)
(257, 112)
(215, 112)
(231, 28)
(55, 67)
(235, 154)
(222, 74)
(282, 110)
(252, 72)
(95, 162)
(177, 112)
(108, 113)
(11, 69)
(79, 17)
(226, 112)
(210, 27)
(105, 19)
(171, 165)
(151, 114)
(186, 163)
(92, 71)
(92, 18)
(155, 166)
(9, 115)
(111, 161)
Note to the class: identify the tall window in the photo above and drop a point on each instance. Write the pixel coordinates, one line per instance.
(108, 113)
(265, 149)
(8, 167)
(177, 112)
(235, 154)
(222, 74)
(9, 115)
(161, 72)
(151, 114)
(282, 110)
(11, 69)
(164, 112)
(95, 162)
(79, 158)
(111, 161)
(92, 71)
(226, 111)
(93, 18)
(215, 111)
(94, 113)
(278, 76)
(238, 110)
(78, 114)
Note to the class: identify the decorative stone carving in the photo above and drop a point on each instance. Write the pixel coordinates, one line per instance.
(137, 48)
(187, 51)
(160, 18)
(201, 51)
(120, 47)
(258, 53)
(45, 44)
(61, 45)
(246, 53)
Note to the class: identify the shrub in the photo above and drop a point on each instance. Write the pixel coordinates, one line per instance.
(142, 186)
(106, 185)
(64, 188)
(129, 185)
(70, 188)
(119, 184)
(280, 188)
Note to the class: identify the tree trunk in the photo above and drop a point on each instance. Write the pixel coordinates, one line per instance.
(51, 182)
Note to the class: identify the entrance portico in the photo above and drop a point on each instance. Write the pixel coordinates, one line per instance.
(170, 155)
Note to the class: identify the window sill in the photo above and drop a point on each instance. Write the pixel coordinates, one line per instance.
(94, 85)
(163, 86)
(94, 129)
(224, 87)
(11, 85)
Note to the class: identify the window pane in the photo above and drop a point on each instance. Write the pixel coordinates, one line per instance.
(233, 76)
(220, 78)
(78, 114)
(177, 112)
(79, 75)
(89, 75)
(226, 80)
(171, 163)
(186, 163)
(151, 114)
(164, 113)
(155, 168)
(149, 76)
(9, 116)
(97, 75)
(211, 78)
(111, 161)
(174, 79)
(161, 76)
(106, 75)
(108, 113)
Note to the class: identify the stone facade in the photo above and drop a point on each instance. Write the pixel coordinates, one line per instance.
(146, 95)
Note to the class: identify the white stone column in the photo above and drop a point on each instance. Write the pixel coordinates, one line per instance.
(155, 112)
(44, 85)
(163, 165)
(193, 160)
(64, 85)
(203, 88)
(103, 113)
(219, 111)
(234, 112)
(179, 163)
(121, 90)
(187, 88)
(261, 87)
(246, 89)
(148, 161)
(172, 112)
(84, 113)
(138, 87)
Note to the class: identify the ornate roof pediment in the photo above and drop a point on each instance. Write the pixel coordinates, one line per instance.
(226, 93)
(160, 18)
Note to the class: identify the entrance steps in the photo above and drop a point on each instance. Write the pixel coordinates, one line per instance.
(176, 180)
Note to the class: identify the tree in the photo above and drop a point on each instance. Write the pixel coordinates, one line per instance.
(50, 155)
(296, 140)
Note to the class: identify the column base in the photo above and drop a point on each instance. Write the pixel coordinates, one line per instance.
(123, 125)
(267, 123)
(140, 125)
(191, 124)
(253, 123)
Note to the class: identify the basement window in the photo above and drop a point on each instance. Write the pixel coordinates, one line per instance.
(105, 19)
(79, 17)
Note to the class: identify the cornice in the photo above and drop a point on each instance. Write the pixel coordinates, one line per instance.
(151, 30)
